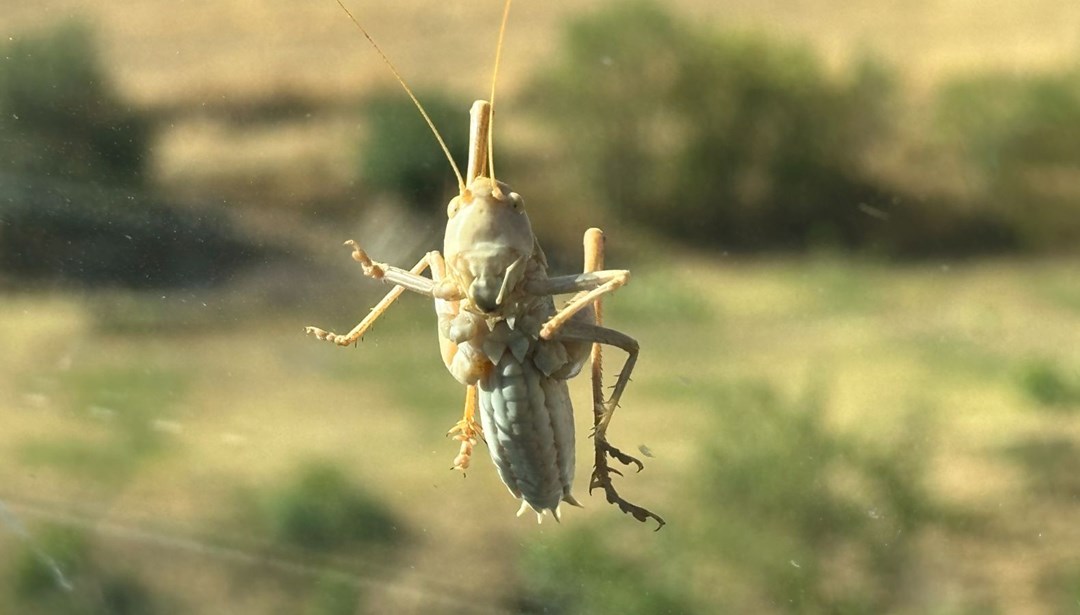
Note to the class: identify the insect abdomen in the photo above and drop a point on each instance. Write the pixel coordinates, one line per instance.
(528, 423)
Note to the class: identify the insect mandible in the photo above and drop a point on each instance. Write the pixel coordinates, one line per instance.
(501, 335)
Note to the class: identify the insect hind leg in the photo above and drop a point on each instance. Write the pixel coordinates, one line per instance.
(603, 409)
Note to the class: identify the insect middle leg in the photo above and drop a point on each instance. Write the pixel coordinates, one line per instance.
(591, 285)
(467, 430)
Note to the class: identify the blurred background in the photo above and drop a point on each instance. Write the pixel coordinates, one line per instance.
(854, 232)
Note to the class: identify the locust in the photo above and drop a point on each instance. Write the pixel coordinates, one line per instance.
(501, 334)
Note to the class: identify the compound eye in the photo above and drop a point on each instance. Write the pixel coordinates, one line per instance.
(517, 202)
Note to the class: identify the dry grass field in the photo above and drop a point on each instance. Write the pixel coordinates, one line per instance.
(166, 53)
(229, 411)
(205, 62)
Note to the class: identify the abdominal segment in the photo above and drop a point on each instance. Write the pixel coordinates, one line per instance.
(528, 423)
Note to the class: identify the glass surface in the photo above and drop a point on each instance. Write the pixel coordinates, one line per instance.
(853, 233)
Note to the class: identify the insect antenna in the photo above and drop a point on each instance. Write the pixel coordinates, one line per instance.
(408, 90)
(491, 110)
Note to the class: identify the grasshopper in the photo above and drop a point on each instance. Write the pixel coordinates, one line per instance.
(501, 335)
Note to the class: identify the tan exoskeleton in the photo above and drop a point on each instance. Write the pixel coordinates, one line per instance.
(503, 338)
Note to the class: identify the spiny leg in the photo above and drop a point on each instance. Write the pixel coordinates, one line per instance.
(594, 261)
(602, 411)
(467, 430)
(567, 329)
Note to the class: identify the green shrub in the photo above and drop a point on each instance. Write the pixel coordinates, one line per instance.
(807, 520)
(60, 116)
(400, 155)
(60, 574)
(73, 156)
(804, 518)
(1020, 137)
(1049, 464)
(320, 509)
(729, 141)
(1046, 383)
(333, 596)
(92, 235)
(583, 572)
(784, 514)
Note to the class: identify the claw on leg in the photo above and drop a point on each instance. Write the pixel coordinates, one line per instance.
(371, 268)
(599, 434)
(467, 431)
(601, 479)
(329, 336)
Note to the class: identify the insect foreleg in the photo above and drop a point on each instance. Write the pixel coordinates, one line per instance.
(403, 280)
(380, 308)
(391, 274)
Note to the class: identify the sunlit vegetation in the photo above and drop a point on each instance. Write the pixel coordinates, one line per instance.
(1051, 386)
(737, 142)
(400, 154)
(60, 115)
(321, 509)
(64, 573)
(74, 205)
(836, 415)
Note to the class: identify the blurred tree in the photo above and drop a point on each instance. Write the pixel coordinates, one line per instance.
(320, 508)
(1020, 135)
(775, 147)
(729, 141)
(401, 157)
(72, 161)
(102, 236)
(59, 114)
